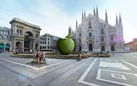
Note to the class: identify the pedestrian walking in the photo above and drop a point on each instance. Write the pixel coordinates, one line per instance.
(79, 56)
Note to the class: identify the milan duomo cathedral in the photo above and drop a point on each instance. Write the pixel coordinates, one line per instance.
(95, 34)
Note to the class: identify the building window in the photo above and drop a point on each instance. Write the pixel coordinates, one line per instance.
(17, 32)
(8, 32)
(102, 39)
(90, 35)
(79, 34)
(102, 31)
(37, 35)
(20, 32)
(102, 48)
(3, 31)
(112, 38)
(79, 40)
(89, 24)
(112, 48)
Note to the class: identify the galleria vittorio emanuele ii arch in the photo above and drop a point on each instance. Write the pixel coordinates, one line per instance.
(25, 36)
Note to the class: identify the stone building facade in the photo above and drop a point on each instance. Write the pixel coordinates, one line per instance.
(5, 39)
(48, 42)
(131, 46)
(25, 36)
(95, 34)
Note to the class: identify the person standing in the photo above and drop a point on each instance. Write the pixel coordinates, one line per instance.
(43, 57)
(37, 56)
(79, 56)
(40, 58)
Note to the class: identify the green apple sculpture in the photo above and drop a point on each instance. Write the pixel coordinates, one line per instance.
(65, 45)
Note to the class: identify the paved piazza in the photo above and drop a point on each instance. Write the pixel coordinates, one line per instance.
(118, 70)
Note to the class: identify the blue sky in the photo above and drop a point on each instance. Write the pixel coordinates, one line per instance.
(55, 16)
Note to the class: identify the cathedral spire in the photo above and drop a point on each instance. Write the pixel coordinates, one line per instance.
(82, 14)
(69, 30)
(120, 19)
(106, 17)
(94, 12)
(116, 20)
(97, 11)
(76, 23)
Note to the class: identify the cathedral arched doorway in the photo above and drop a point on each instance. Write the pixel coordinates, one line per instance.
(7, 47)
(28, 41)
(80, 49)
(112, 48)
(102, 48)
(90, 47)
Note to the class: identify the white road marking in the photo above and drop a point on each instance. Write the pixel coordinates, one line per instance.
(135, 56)
(116, 60)
(81, 80)
(118, 72)
(119, 57)
(32, 66)
(53, 64)
(99, 77)
(118, 76)
(130, 64)
(113, 65)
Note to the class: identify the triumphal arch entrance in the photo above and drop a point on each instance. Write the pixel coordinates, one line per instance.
(25, 36)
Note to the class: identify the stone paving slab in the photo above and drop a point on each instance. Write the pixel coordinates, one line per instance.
(64, 72)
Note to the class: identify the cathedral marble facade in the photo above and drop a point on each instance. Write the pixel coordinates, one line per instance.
(95, 34)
